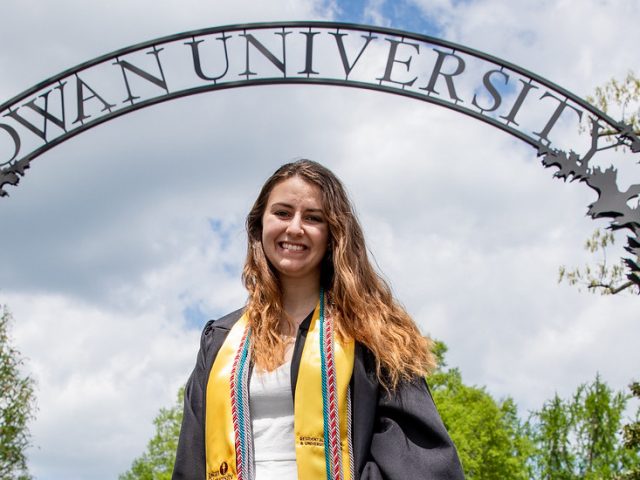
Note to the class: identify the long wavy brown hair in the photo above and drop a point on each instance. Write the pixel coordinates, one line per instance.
(361, 302)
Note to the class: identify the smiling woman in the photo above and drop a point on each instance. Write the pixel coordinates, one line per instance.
(321, 374)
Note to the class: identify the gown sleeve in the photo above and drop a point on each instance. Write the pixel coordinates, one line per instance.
(190, 455)
(409, 440)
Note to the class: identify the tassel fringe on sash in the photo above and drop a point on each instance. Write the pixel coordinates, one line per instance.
(240, 409)
(330, 416)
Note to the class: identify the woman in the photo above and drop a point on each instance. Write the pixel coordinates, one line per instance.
(321, 375)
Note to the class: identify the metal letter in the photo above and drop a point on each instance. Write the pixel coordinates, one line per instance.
(280, 64)
(80, 99)
(391, 59)
(16, 141)
(195, 52)
(544, 134)
(511, 118)
(495, 94)
(343, 52)
(160, 82)
(308, 67)
(46, 116)
(448, 77)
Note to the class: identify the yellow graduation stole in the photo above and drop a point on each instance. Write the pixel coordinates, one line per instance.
(322, 407)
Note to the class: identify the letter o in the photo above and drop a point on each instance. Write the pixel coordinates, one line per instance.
(16, 142)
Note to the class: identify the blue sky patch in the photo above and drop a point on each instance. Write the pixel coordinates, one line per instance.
(222, 231)
(194, 316)
(398, 14)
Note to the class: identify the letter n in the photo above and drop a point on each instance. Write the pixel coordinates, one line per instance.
(279, 64)
(160, 81)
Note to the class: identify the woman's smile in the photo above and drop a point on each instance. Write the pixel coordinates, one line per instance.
(292, 247)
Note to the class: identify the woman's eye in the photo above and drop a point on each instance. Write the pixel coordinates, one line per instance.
(281, 213)
(314, 219)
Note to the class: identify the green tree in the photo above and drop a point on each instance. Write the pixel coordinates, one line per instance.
(491, 440)
(579, 438)
(620, 99)
(156, 463)
(17, 406)
(631, 437)
(608, 279)
(553, 458)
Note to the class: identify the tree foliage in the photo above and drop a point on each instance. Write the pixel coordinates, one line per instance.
(623, 97)
(17, 407)
(580, 437)
(631, 438)
(620, 99)
(608, 279)
(491, 440)
(156, 463)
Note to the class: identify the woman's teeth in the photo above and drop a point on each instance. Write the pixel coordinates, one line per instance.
(291, 246)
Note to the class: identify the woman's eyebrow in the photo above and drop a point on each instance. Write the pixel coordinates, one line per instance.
(281, 204)
(286, 205)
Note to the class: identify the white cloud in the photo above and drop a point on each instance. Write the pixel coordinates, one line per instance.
(100, 375)
(578, 45)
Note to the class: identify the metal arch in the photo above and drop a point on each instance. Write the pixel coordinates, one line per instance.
(18, 115)
(307, 24)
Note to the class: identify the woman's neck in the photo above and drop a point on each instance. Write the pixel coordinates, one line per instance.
(299, 298)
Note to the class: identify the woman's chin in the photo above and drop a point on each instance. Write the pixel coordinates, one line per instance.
(297, 272)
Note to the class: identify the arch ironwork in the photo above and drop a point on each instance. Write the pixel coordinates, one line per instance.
(476, 84)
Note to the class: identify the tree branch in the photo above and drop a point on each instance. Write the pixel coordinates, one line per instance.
(612, 290)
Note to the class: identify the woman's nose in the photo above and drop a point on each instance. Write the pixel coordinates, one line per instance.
(295, 225)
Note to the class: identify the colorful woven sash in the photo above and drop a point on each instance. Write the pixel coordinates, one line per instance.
(322, 408)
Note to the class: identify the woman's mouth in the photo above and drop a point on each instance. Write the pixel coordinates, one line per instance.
(294, 247)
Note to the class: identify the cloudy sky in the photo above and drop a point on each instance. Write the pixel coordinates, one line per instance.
(119, 244)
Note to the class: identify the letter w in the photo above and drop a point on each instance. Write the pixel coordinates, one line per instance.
(44, 112)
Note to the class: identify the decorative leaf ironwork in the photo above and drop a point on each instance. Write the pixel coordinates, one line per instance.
(612, 202)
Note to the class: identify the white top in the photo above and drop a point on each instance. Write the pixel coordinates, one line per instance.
(271, 407)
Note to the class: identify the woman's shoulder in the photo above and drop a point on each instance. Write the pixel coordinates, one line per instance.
(225, 322)
(215, 331)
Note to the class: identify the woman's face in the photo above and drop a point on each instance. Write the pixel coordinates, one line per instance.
(295, 230)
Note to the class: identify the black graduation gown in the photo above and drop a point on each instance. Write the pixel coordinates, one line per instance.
(397, 436)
